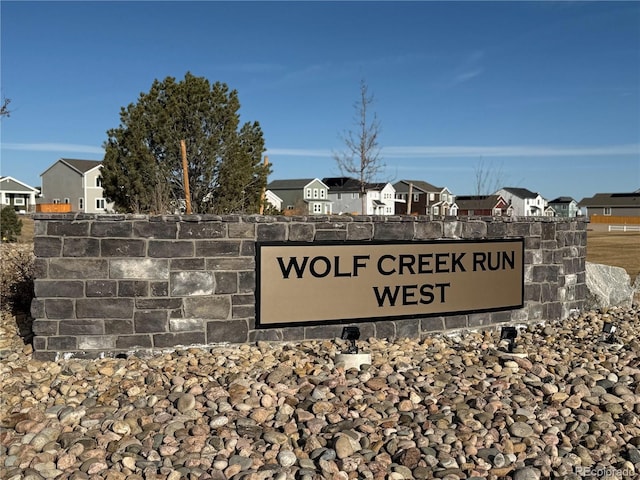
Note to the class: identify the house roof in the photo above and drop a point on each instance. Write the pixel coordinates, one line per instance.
(402, 186)
(80, 166)
(290, 184)
(349, 184)
(520, 192)
(13, 185)
(631, 199)
(478, 202)
(562, 200)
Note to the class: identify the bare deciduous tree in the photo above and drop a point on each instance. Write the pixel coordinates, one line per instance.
(489, 178)
(361, 157)
(4, 108)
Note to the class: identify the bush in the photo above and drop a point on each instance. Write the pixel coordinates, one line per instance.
(16, 277)
(10, 225)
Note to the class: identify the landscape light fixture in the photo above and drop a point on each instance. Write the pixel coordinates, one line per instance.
(509, 334)
(608, 332)
(351, 334)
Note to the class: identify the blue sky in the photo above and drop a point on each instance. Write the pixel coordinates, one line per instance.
(540, 95)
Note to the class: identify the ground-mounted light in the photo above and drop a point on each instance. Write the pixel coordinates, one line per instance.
(351, 334)
(608, 332)
(509, 335)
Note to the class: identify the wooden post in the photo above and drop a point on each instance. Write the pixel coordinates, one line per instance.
(266, 164)
(409, 198)
(185, 176)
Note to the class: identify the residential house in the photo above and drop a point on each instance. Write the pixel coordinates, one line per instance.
(424, 199)
(20, 196)
(346, 195)
(564, 207)
(75, 182)
(525, 203)
(612, 207)
(303, 196)
(272, 199)
(483, 205)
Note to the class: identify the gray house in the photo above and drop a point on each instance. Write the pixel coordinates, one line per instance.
(612, 204)
(564, 207)
(20, 196)
(346, 196)
(302, 196)
(75, 182)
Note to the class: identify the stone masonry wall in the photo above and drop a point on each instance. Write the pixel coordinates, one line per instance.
(111, 284)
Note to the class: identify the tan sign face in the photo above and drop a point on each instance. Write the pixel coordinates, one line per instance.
(333, 282)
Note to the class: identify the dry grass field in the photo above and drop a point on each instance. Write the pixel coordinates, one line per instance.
(618, 249)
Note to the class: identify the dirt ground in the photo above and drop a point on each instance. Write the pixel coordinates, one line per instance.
(618, 249)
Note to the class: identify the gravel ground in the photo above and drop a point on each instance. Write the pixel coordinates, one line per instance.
(564, 404)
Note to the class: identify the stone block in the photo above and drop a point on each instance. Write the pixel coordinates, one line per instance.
(234, 264)
(133, 288)
(186, 325)
(203, 230)
(37, 308)
(44, 327)
(429, 230)
(118, 247)
(187, 264)
(393, 231)
(133, 341)
(479, 320)
(359, 231)
(47, 247)
(226, 282)
(385, 329)
(159, 289)
(331, 235)
(500, 317)
(58, 288)
(170, 249)
(496, 229)
(217, 248)
(192, 284)
(455, 321)
(301, 232)
(474, 229)
(104, 308)
(241, 230)
(233, 331)
(243, 311)
(246, 282)
(118, 327)
(102, 342)
(409, 328)
(68, 229)
(532, 292)
(247, 248)
(59, 308)
(40, 268)
(518, 229)
(101, 288)
(217, 307)
(532, 243)
(158, 303)
(314, 332)
(271, 232)
(81, 327)
(81, 247)
(270, 335)
(243, 299)
(111, 229)
(39, 343)
(151, 321)
(62, 343)
(78, 268)
(166, 230)
(140, 268)
(168, 340)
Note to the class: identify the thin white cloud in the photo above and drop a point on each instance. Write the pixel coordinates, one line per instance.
(476, 151)
(53, 147)
(466, 76)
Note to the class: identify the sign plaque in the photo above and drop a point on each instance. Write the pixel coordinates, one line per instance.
(302, 283)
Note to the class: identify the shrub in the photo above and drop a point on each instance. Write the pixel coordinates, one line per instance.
(16, 277)
(10, 225)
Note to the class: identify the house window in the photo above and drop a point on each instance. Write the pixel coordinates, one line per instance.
(18, 201)
(388, 210)
(339, 196)
(317, 208)
(7, 201)
(100, 203)
(308, 193)
(98, 181)
(66, 200)
(607, 210)
(436, 210)
(416, 197)
(315, 193)
(56, 201)
(289, 207)
(432, 197)
(80, 203)
(323, 193)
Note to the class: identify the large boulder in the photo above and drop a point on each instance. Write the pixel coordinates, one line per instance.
(607, 287)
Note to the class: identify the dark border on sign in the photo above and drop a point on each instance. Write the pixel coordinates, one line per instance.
(348, 321)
